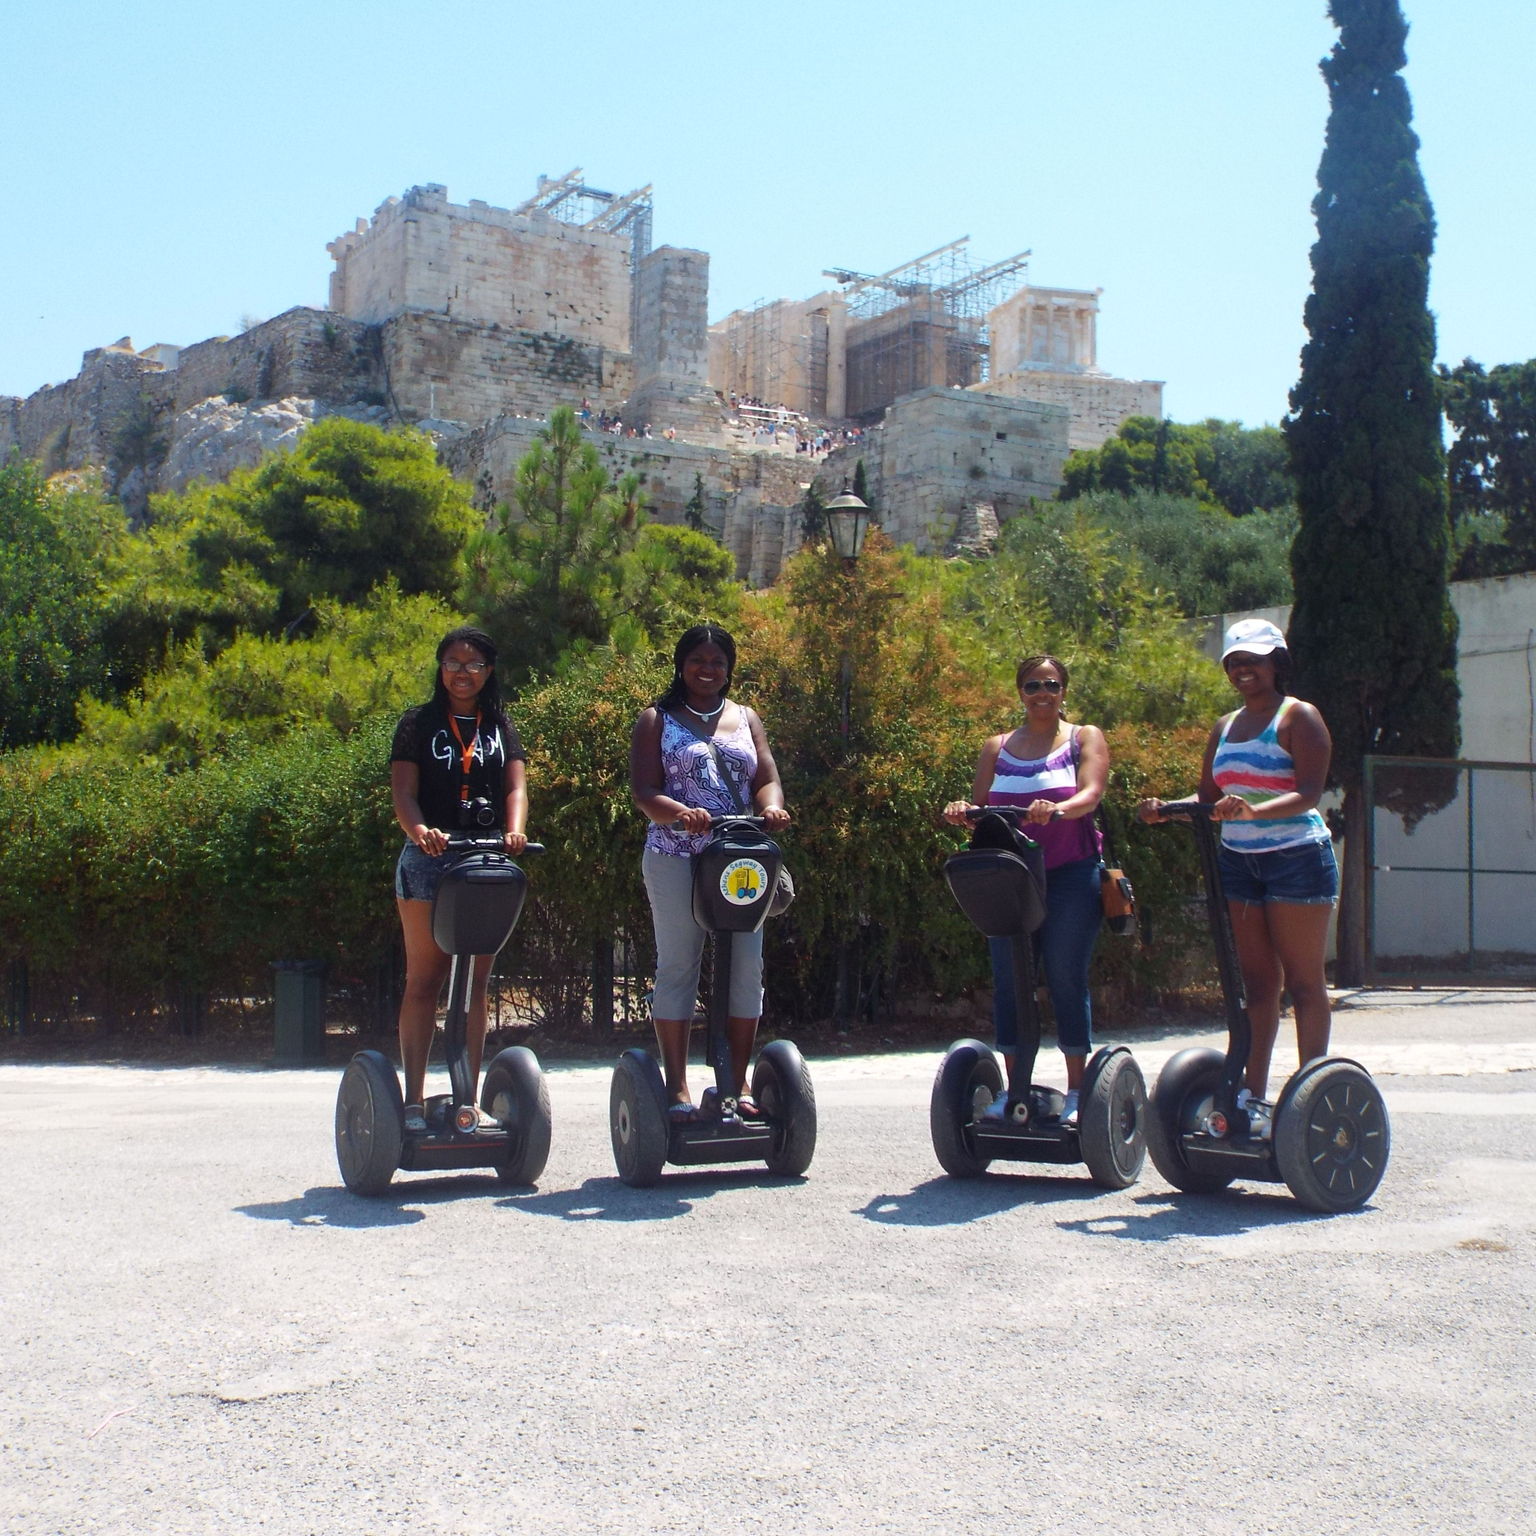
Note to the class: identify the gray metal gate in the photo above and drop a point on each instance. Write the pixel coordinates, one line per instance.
(1451, 893)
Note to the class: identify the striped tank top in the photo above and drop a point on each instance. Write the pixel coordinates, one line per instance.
(1257, 771)
(1016, 781)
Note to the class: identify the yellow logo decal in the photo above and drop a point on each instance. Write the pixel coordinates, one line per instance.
(743, 881)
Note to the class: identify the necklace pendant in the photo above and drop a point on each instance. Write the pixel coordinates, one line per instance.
(702, 715)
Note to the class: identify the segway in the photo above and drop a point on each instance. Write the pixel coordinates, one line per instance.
(734, 876)
(999, 883)
(1330, 1136)
(474, 912)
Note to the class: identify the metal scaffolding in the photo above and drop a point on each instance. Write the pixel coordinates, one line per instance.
(569, 199)
(922, 323)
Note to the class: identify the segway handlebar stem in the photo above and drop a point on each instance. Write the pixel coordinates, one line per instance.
(1196, 814)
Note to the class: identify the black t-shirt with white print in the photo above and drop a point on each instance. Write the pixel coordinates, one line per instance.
(423, 737)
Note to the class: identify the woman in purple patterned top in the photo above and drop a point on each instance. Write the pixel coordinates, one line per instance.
(680, 747)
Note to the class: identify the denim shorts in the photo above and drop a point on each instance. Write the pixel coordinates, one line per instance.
(1304, 874)
(418, 874)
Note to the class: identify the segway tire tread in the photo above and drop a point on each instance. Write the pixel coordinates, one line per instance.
(967, 1066)
(637, 1119)
(781, 1084)
(370, 1124)
(516, 1094)
(1195, 1073)
(1332, 1136)
(1112, 1120)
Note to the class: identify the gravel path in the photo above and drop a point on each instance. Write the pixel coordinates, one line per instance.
(205, 1333)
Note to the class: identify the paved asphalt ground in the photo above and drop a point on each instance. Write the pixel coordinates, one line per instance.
(203, 1332)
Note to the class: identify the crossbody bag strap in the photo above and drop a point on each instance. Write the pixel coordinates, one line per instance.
(714, 752)
(1098, 810)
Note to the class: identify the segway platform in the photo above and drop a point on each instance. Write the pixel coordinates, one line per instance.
(477, 906)
(999, 883)
(1330, 1135)
(734, 877)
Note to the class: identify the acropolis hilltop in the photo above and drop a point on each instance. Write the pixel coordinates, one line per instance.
(960, 386)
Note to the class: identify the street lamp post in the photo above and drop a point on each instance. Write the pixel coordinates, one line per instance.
(847, 522)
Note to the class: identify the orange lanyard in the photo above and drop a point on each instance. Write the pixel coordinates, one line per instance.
(466, 751)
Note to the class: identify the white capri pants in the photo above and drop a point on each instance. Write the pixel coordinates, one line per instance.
(680, 945)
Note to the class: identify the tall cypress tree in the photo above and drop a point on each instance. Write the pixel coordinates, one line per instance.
(1372, 632)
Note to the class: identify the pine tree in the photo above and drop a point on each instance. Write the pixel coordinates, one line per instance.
(1372, 634)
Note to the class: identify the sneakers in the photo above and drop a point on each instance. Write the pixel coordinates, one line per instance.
(1260, 1127)
(415, 1120)
(1069, 1108)
(996, 1113)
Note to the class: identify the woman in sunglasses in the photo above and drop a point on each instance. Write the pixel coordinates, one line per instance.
(456, 765)
(1055, 773)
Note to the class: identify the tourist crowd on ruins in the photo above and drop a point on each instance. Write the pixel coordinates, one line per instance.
(770, 426)
(777, 426)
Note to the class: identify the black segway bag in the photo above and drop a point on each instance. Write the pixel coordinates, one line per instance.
(734, 876)
(478, 904)
(999, 881)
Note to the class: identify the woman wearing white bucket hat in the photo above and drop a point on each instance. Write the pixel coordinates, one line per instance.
(1266, 766)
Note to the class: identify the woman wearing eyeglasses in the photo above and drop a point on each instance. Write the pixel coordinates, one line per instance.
(456, 765)
(1055, 773)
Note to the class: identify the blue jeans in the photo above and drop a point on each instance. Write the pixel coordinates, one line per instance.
(1305, 874)
(1074, 910)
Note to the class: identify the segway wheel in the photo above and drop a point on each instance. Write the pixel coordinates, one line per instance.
(1181, 1097)
(370, 1124)
(516, 1096)
(781, 1084)
(968, 1065)
(637, 1119)
(1112, 1120)
(1332, 1135)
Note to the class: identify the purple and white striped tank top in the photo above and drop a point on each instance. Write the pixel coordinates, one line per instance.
(1054, 777)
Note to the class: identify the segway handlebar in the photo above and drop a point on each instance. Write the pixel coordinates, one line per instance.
(722, 819)
(1014, 815)
(459, 842)
(1186, 810)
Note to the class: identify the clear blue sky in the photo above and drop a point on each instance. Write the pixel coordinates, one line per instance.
(169, 168)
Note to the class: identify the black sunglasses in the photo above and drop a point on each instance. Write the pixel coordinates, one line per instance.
(1049, 684)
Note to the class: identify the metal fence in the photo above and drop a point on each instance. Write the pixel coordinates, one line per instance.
(1451, 871)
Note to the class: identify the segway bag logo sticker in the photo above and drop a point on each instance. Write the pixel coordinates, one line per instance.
(743, 881)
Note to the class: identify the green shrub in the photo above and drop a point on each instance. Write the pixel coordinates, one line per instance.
(125, 885)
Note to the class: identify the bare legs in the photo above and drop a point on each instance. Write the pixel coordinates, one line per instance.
(672, 1038)
(1282, 944)
(426, 969)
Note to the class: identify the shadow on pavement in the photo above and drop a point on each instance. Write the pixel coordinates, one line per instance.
(945, 1202)
(612, 1200)
(1228, 1213)
(336, 1207)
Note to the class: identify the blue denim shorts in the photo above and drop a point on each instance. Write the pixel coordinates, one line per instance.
(1304, 874)
(418, 874)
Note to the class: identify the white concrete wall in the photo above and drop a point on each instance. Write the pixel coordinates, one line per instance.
(1495, 663)
(1426, 914)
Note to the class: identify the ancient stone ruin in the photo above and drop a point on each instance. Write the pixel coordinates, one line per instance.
(960, 388)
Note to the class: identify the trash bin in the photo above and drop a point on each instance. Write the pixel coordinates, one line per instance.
(298, 1012)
